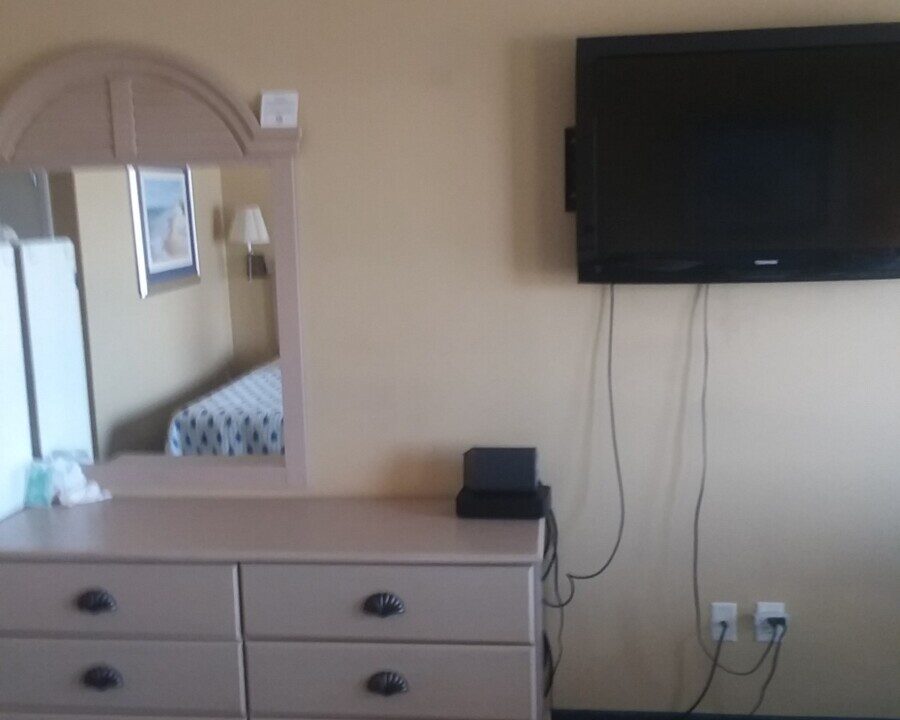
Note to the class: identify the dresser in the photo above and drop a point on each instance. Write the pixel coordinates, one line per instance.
(270, 608)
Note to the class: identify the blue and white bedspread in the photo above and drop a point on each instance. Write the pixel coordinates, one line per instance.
(244, 417)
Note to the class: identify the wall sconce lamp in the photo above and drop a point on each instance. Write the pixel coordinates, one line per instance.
(248, 228)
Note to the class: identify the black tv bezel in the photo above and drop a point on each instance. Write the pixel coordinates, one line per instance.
(595, 266)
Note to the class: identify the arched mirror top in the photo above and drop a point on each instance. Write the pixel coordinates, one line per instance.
(117, 104)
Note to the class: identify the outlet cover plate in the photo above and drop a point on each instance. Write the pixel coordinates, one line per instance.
(719, 612)
(764, 611)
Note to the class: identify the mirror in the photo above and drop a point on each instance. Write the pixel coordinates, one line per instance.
(147, 316)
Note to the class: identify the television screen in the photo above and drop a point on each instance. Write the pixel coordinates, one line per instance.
(741, 156)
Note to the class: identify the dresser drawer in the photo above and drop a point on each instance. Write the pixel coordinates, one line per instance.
(45, 716)
(439, 603)
(444, 681)
(157, 678)
(160, 601)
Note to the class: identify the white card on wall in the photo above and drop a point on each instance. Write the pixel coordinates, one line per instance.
(279, 108)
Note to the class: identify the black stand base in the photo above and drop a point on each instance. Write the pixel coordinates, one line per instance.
(503, 505)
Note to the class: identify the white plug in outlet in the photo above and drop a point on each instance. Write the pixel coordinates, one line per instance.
(765, 631)
(720, 612)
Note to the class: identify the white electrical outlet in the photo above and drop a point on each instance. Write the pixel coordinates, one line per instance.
(720, 612)
(765, 610)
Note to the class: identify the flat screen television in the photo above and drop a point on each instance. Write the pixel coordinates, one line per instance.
(761, 155)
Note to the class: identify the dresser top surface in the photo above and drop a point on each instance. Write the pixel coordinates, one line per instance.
(323, 530)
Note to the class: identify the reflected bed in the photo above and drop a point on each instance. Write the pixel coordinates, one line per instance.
(244, 417)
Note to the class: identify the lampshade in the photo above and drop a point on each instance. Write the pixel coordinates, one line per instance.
(248, 227)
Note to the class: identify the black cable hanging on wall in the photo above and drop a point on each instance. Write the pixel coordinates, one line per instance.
(703, 291)
(776, 640)
(551, 545)
(559, 602)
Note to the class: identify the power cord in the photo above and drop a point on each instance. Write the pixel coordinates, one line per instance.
(553, 566)
(551, 546)
(548, 666)
(777, 639)
(704, 451)
(551, 542)
(777, 624)
(712, 670)
(614, 438)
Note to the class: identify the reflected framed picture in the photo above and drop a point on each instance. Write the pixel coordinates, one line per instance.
(165, 236)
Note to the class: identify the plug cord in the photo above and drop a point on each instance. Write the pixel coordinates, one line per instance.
(553, 566)
(703, 295)
(777, 638)
(549, 666)
(712, 669)
(779, 628)
(551, 545)
(559, 604)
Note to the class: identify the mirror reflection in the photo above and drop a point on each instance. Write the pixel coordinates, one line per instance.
(146, 313)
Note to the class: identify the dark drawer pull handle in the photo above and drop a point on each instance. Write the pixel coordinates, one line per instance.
(102, 678)
(96, 601)
(387, 683)
(384, 604)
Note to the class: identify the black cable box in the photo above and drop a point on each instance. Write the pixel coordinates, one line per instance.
(503, 505)
(501, 469)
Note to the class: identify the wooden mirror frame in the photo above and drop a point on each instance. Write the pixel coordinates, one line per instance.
(120, 105)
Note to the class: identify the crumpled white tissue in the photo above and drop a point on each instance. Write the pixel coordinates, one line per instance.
(73, 488)
(65, 483)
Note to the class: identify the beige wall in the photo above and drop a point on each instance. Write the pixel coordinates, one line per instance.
(253, 316)
(441, 310)
(148, 356)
